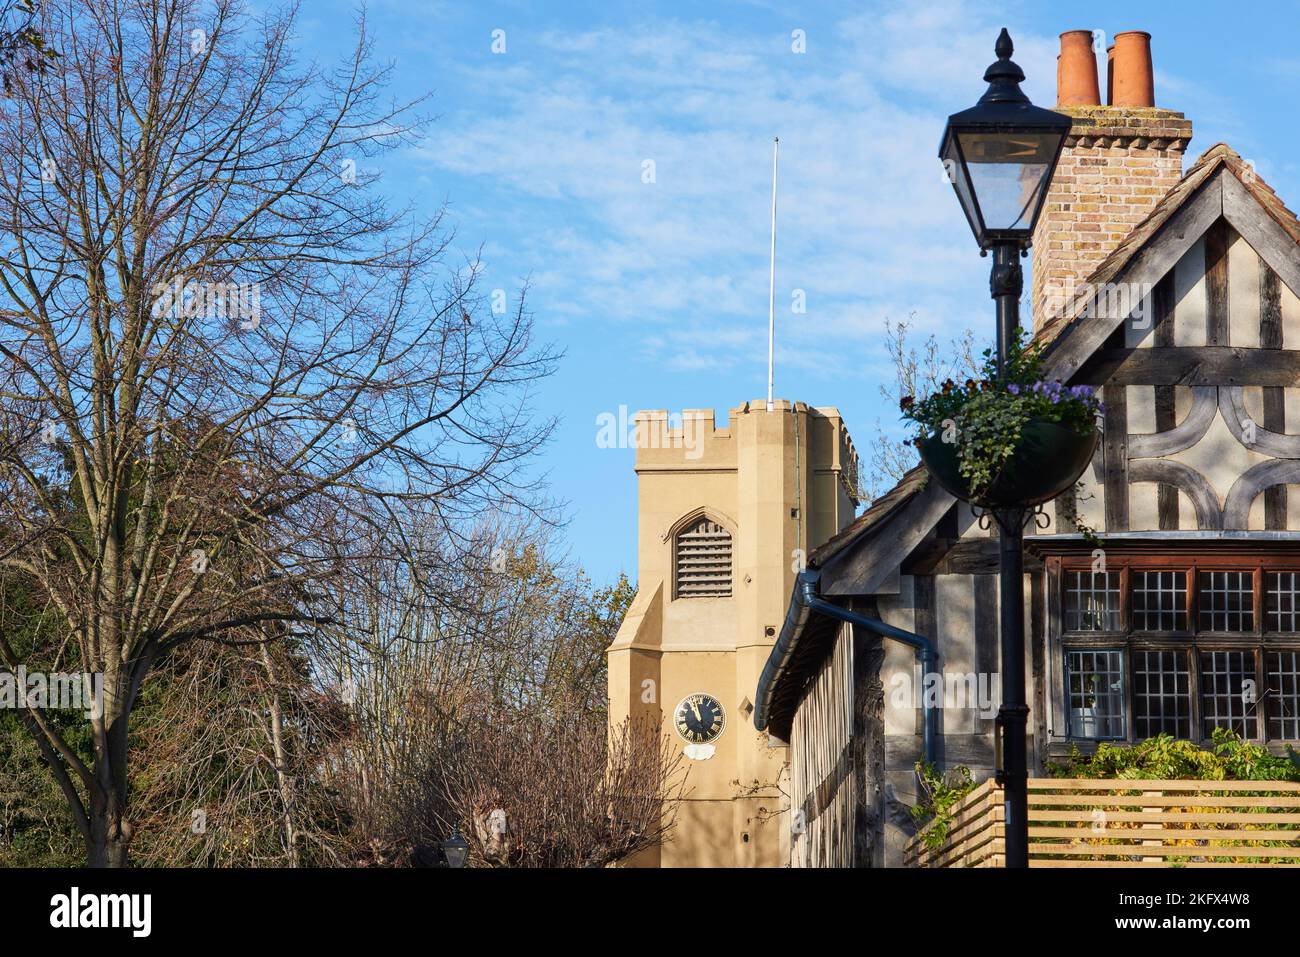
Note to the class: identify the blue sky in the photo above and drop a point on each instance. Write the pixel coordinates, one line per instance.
(657, 292)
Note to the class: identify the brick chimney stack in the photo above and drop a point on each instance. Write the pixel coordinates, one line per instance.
(1118, 161)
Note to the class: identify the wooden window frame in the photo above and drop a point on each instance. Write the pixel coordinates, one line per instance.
(1192, 641)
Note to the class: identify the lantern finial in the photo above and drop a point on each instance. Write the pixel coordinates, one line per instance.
(1003, 48)
(1001, 153)
(1004, 76)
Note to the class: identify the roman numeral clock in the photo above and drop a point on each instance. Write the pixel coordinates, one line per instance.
(700, 720)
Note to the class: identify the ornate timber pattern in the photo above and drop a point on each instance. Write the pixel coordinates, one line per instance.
(1217, 375)
(1145, 462)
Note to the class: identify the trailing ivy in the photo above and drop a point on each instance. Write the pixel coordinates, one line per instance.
(940, 794)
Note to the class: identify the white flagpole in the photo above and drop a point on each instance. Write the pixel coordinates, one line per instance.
(771, 286)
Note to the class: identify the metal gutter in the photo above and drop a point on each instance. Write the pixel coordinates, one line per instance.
(1177, 535)
(807, 601)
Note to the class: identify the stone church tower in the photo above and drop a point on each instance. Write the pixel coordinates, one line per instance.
(725, 518)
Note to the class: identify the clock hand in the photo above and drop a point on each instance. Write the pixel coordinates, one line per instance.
(695, 706)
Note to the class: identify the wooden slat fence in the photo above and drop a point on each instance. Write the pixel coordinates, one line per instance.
(1090, 823)
(822, 784)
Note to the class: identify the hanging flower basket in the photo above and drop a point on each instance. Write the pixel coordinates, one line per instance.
(1010, 439)
(1048, 459)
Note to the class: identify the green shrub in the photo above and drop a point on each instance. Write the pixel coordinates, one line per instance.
(940, 793)
(1167, 758)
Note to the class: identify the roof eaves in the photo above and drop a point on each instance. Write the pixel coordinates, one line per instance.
(877, 512)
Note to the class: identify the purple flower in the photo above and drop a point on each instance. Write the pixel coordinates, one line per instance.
(1013, 389)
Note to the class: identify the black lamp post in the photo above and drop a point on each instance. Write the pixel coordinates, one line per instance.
(1000, 156)
(455, 849)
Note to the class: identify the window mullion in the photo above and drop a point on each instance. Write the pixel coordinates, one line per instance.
(1125, 605)
(1261, 696)
(1259, 600)
(1194, 689)
(1127, 653)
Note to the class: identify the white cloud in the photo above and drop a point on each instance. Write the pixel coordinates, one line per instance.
(868, 227)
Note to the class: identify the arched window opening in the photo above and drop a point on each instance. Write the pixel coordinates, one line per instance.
(702, 556)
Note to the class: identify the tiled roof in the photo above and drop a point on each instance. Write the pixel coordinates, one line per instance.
(880, 509)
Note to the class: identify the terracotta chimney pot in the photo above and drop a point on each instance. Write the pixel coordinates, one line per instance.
(1134, 83)
(1116, 164)
(1076, 79)
(1110, 75)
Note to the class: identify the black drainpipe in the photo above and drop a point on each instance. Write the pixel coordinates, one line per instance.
(807, 594)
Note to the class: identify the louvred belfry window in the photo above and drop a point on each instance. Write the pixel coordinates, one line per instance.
(703, 560)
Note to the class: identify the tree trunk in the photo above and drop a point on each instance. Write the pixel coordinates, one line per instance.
(110, 840)
(109, 833)
(282, 778)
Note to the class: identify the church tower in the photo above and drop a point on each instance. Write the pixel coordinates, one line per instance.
(725, 519)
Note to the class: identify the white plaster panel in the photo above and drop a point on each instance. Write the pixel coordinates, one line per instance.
(899, 666)
(1142, 336)
(1141, 400)
(955, 604)
(1255, 521)
(1291, 405)
(1290, 318)
(1293, 506)
(1091, 503)
(1189, 297)
(1243, 294)
(1143, 506)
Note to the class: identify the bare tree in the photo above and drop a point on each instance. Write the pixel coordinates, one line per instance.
(917, 371)
(22, 47)
(510, 630)
(226, 359)
(225, 768)
(563, 790)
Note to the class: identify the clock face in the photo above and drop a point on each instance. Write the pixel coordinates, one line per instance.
(700, 718)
